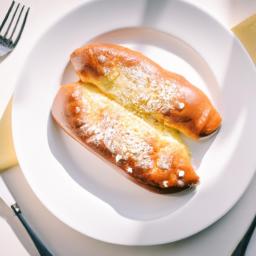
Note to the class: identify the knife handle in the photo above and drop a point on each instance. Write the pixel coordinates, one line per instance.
(242, 246)
(43, 251)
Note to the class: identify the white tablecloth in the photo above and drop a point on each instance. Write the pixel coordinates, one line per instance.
(219, 239)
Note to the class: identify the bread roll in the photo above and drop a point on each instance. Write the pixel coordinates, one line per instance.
(147, 152)
(140, 85)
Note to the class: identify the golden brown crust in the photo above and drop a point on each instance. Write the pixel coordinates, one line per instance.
(141, 85)
(160, 162)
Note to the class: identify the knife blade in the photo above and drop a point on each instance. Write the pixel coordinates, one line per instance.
(5, 193)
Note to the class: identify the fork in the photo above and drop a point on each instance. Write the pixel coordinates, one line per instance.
(7, 31)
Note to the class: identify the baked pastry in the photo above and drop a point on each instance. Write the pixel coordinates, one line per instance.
(147, 152)
(141, 85)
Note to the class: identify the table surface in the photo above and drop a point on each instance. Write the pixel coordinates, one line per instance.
(218, 239)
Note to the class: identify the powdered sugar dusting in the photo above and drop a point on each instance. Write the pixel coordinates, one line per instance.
(164, 161)
(147, 92)
(119, 133)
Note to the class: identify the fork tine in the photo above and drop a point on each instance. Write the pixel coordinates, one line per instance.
(21, 29)
(7, 15)
(17, 21)
(13, 16)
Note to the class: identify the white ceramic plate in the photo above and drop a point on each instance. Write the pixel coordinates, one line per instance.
(90, 196)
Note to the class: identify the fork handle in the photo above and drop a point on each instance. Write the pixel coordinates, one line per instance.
(242, 246)
(43, 251)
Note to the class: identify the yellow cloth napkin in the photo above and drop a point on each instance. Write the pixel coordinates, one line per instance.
(7, 153)
(246, 32)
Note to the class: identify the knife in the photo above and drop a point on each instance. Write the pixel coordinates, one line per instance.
(7, 197)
